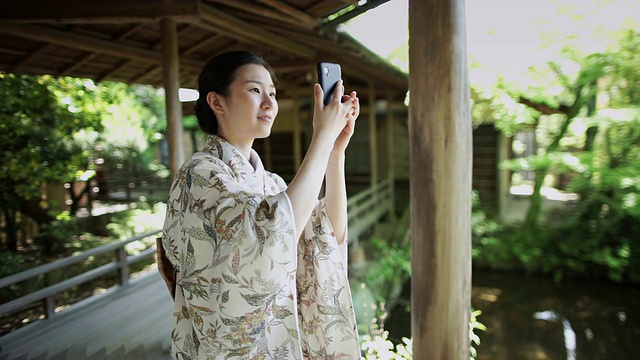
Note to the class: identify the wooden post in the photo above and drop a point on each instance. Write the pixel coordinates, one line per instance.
(121, 258)
(441, 158)
(297, 136)
(171, 78)
(373, 135)
(390, 155)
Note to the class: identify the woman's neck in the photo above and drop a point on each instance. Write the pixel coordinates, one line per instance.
(243, 147)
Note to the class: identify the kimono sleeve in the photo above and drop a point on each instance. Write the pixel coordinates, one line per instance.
(236, 255)
(325, 305)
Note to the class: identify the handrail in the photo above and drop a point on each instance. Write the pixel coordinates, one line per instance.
(364, 210)
(121, 263)
(58, 264)
(367, 207)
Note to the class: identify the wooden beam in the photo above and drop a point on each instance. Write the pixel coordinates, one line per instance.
(90, 56)
(78, 63)
(371, 4)
(440, 167)
(149, 72)
(82, 11)
(91, 44)
(360, 67)
(242, 30)
(205, 41)
(33, 54)
(293, 12)
(265, 12)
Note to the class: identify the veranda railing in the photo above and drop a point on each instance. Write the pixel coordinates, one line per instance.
(364, 209)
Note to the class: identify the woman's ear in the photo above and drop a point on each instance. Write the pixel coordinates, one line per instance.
(215, 102)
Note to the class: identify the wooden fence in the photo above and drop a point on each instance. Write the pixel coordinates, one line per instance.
(47, 295)
(365, 209)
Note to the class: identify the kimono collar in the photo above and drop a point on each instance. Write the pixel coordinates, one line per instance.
(248, 171)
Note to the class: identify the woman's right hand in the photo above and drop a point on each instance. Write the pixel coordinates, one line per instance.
(330, 120)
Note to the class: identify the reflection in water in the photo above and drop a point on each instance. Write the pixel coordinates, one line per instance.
(569, 334)
(530, 318)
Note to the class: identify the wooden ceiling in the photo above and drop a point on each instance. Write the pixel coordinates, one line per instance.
(121, 40)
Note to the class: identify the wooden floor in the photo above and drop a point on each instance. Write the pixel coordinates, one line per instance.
(131, 322)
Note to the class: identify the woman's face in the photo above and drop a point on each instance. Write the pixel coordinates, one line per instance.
(249, 109)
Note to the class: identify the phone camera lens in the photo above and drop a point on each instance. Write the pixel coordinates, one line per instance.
(326, 70)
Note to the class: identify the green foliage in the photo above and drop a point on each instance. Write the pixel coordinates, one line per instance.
(36, 135)
(602, 231)
(625, 71)
(142, 218)
(55, 131)
(475, 325)
(488, 247)
(595, 236)
(390, 262)
(379, 346)
(10, 264)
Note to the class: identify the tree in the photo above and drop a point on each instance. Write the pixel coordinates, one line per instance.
(55, 130)
(36, 145)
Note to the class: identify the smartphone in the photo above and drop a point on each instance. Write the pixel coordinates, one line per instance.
(328, 76)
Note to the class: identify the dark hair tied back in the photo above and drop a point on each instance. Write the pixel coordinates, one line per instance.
(217, 75)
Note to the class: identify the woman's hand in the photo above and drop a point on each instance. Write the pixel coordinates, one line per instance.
(343, 139)
(332, 119)
(332, 128)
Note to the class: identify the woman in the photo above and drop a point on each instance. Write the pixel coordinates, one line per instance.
(261, 266)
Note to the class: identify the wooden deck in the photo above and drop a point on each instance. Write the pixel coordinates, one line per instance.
(130, 322)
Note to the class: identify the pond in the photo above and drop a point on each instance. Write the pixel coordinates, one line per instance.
(534, 318)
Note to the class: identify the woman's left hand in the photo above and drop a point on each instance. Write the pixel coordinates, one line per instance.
(343, 139)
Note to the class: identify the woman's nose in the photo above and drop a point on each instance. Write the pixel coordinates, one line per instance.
(268, 102)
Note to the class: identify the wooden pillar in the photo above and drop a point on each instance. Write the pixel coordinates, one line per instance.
(373, 135)
(504, 175)
(171, 79)
(297, 136)
(390, 154)
(441, 158)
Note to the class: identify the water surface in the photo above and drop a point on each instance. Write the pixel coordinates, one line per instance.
(535, 318)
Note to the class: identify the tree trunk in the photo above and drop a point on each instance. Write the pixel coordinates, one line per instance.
(535, 207)
(11, 229)
(535, 201)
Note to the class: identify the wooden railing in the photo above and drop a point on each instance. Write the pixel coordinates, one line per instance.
(364, 209)
(367, 207)
(47, 295)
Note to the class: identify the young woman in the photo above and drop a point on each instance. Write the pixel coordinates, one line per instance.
(261, 266)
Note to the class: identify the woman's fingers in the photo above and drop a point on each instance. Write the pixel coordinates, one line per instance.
(337, 116)
(338, 91)
(318, 95)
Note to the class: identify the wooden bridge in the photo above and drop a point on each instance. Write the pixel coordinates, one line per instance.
(133, 319)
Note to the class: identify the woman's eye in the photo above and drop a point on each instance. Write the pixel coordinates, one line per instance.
(256, 90)
(272, 94)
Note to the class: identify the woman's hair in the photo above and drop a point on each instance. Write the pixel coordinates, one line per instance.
(217, 75)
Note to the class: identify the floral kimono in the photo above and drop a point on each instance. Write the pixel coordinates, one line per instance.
(246, 288)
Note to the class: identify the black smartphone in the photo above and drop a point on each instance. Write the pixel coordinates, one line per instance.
(328, 76)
